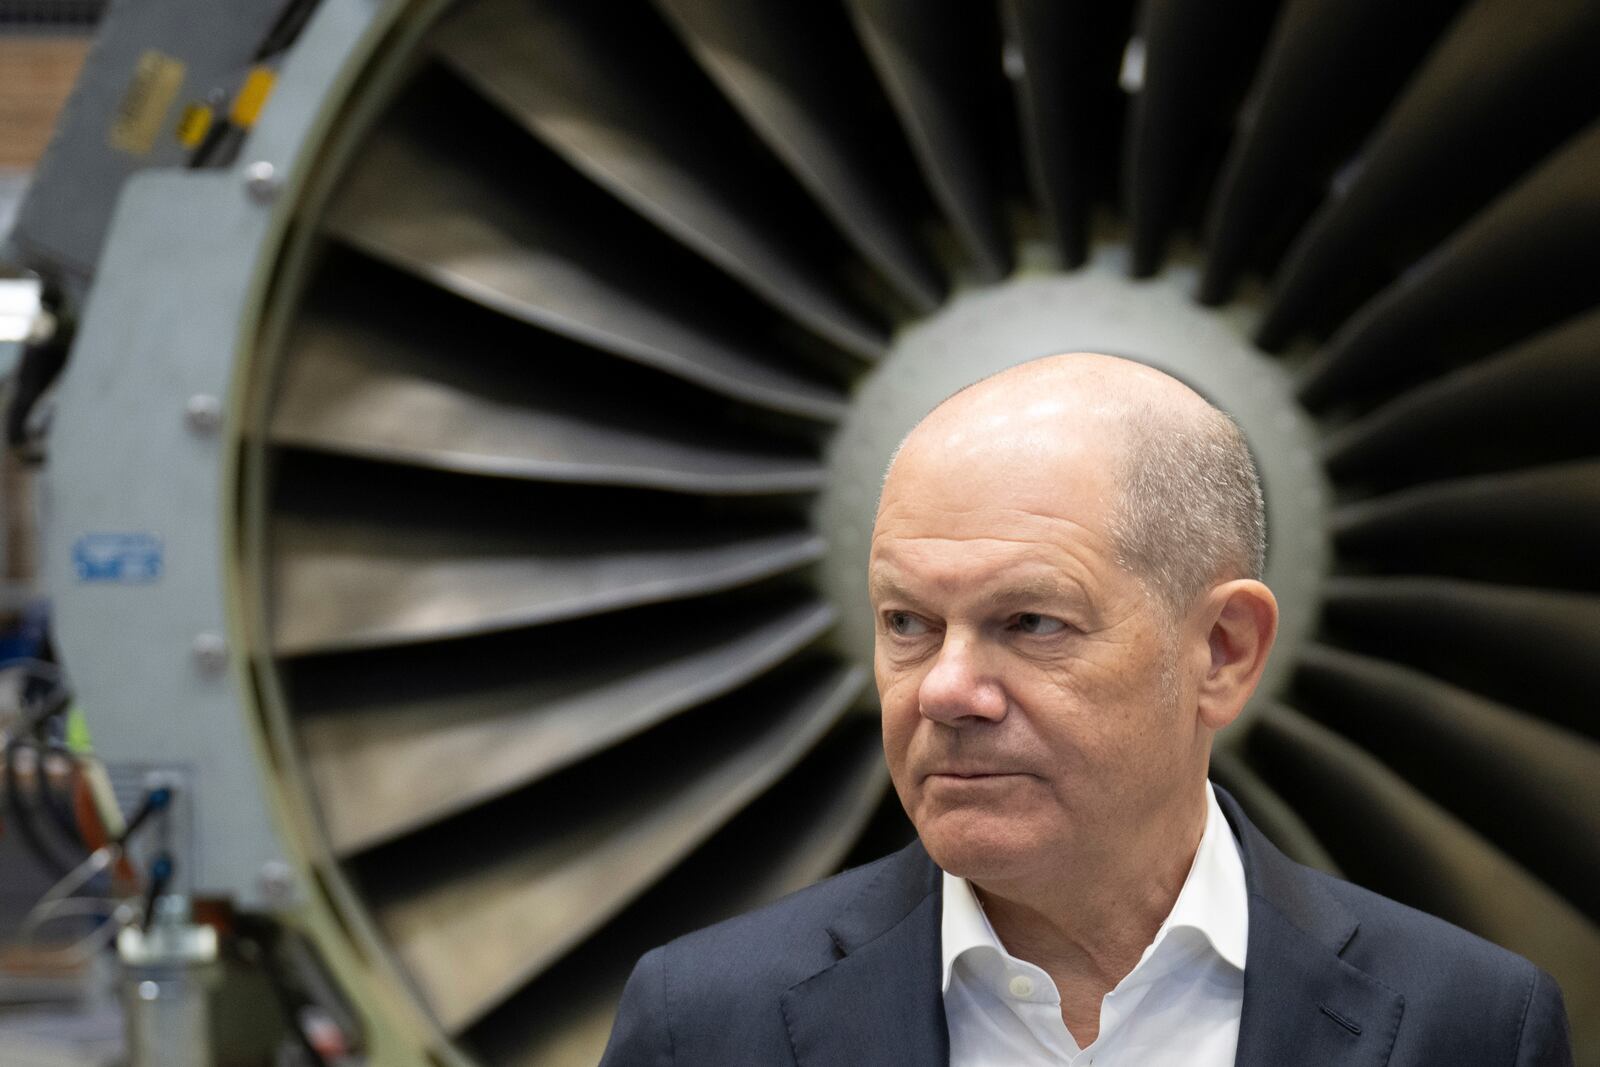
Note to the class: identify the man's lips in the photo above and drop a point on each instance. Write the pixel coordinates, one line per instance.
(970, 775)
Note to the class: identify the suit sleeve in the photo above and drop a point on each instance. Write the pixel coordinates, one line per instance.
(1545, 1039)
(641, 1036)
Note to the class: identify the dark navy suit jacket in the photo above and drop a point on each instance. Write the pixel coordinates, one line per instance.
(846, 973)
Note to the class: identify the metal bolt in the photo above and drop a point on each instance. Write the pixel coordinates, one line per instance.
(148, 990)
(276, 883)
(203, 413)
(261, 181)
(210, 652)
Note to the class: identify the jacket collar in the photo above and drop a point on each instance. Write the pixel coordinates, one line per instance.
(1303, 1004)
(880, 1001)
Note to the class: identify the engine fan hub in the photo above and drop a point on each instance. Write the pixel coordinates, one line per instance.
(985, 329)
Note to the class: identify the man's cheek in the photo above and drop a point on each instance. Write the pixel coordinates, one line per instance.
(890, 675)
(898, 742)
(897, 689)
(899, 723)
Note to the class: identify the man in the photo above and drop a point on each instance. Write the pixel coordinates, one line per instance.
(1065, 571)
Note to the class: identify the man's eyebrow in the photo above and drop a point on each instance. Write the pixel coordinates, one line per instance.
(1034, 590)
(884, 587)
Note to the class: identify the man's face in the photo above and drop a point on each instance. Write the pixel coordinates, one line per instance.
(1033, 708)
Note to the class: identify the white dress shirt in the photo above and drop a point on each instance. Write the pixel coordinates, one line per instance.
(1179, 1005)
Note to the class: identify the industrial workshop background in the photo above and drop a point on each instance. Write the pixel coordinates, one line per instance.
(459, 480)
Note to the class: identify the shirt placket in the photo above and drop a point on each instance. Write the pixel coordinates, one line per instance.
(1032, 997)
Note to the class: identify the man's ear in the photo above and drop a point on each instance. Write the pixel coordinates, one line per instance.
(1243, 621)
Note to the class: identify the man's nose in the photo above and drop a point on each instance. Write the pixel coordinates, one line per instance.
(959, 687)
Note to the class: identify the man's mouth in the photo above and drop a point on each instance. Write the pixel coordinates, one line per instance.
(972, 775)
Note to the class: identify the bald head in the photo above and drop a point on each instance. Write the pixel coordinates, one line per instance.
(1181, 499)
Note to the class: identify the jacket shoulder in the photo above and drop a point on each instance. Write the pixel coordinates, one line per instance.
(1396, 937)
(780, 943)
(713, 996)
(1462, 992)
(1420, 956)
(1462, 998)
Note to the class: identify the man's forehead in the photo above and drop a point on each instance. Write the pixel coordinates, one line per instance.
(1044, 464)
(967, 544)
(1006, 491)
(993, 579)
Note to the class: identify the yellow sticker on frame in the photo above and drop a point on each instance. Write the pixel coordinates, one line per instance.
(252, 96)
(194, 122)
(143, 111)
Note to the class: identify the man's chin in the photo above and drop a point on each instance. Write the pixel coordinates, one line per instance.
(970, 849)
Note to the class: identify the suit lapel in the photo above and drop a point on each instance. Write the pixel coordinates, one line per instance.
(1303, 1004)
(880, 1002)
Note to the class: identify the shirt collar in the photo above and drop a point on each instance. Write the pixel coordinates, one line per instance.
(1213, 901)
(963, 927)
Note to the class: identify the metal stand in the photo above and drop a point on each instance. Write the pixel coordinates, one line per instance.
(168, 973)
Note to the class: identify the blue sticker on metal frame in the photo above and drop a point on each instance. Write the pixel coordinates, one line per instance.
(127, 558)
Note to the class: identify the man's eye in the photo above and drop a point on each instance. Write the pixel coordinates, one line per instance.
(1031, 622)
(905, 624)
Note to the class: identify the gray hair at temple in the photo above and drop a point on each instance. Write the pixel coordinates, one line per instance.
(1189, 511)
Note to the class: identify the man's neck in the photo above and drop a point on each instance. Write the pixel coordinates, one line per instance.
(1088, 924)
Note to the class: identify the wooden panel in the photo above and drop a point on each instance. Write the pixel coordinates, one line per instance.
(39, 73)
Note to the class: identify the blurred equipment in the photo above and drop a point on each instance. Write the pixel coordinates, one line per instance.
(168, 968)
(464, 461)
